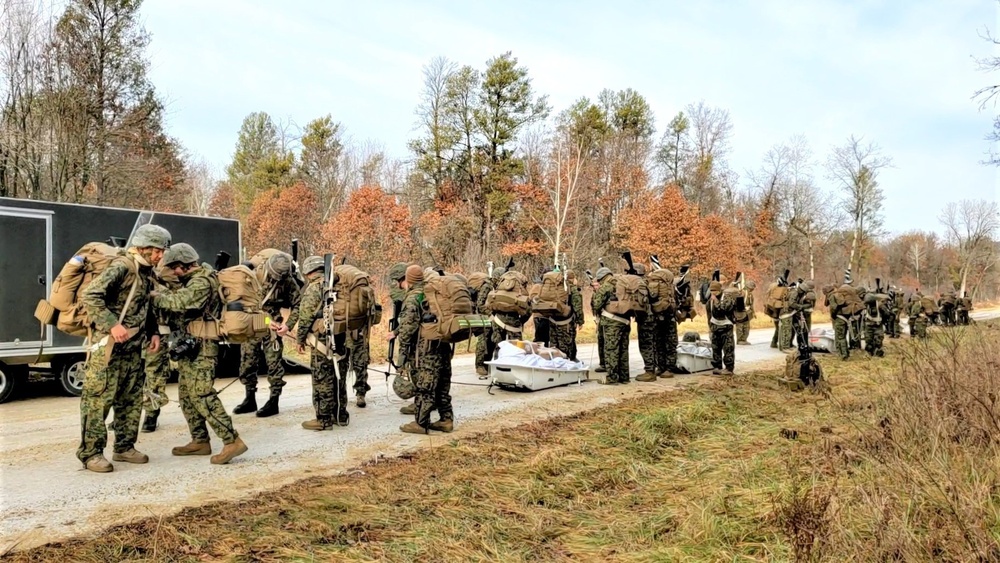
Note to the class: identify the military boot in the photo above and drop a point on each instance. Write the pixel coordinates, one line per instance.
(193, 448)
(99, 464)
(413, 428)
(343, 417)
(360, 401)
(249, 404)
(665, 374)
(236, 448)
(318, 424)
(443, 425)
(481, 370)
(601, 369)
(131, 456)
(646, 377)
(149, 423)
(410, 409)
(270, 408)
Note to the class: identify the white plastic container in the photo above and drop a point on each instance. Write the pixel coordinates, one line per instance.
(693, 363)
(533, 378)
(823, 338)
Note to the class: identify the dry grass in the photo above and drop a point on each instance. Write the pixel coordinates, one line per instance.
(898, 463)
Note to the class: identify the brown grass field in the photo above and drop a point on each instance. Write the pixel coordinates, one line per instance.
(898, 461)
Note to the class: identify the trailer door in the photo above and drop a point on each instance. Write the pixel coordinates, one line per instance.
(25, 275)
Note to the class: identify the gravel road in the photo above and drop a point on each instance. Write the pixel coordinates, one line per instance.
(45, 495)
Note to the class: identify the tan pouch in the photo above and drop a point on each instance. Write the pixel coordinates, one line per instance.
(46, 313)
(209, 330)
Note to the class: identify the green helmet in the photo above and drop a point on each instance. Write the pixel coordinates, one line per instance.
(180, 253)
(398, 271)
(312, 264)
(602, 273)
(151, 236)
(278, 266)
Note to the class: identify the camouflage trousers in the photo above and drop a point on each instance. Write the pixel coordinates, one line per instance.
(616, 349)
(199, 401)
(360, 353)
(484, 348)
(329, 392)
(856, 331)
(646, 328)
(431, 377)
(918, 327)
(600, 345)
(665, 343)
(111, 384)
(840, 330)
(775, 338)
(498, 335)
(563, 338)
(784, 333)
(723, 346)
(270, 349)
(874, 334)
(742, 329)
(157, 368)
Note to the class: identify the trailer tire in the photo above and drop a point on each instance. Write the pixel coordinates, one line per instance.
(71, 377)
(11, 379)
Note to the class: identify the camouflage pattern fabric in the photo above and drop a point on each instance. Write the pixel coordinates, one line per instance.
(666, 343)
(329, 392)
(856, 330)
(498, 335)
(111, 385)
(646, 327)
(199, 401)
(360, 357)
(616, 343)
(723, 347)
(597, 303)
(601, 358)
(784, 334)
(563, 337)
(157, 371)
(742, 331)
(918, 320)
(271, 349)
(775, 337)
(874, 334)
(424, 360)
(484, 342)
(840, 330)
(114, 383)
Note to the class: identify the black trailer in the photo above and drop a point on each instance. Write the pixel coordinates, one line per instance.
(36, 239)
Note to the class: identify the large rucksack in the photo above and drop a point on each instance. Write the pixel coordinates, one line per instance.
(661, 290)
(355, 306)
(846, 300)
(63, 308)
(927, 303)
(631, 295)
(553, 297)
(476, 282)
(510, 295)
(242, 318)
(452, 312)
(777, 299)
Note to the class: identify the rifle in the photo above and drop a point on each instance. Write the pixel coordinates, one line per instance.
(117, 242)
(295, 250)
(809, 369)
(510, 264)
(627, 255)
(397, 308)
(655, 261)
(600, 262)
(221, 260)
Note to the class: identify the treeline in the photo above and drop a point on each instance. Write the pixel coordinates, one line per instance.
(494, 172)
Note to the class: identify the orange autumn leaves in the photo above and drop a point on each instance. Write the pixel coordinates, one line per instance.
(670, 227)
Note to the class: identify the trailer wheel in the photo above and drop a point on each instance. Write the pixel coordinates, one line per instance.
(11, 378)
(71, 377)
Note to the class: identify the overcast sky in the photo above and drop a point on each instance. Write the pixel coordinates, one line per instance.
(900, 73)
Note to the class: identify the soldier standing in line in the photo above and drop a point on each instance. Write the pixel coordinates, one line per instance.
(616, 330)
(876, 311)
(117, 305)
(562, 332)
(720, 309)
(280, 290)
(599, 277)
(743, 318)
(329, 391)
(645, 324)
(397, 274)
(198, 299)
(157, 364)
(479, 294)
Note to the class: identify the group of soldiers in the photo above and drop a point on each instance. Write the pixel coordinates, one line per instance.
(142, 307)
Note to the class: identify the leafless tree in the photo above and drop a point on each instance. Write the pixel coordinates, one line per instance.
(554, 165)
(916, 255)
(971, 225)
(987, 96)
(201, 183)
(709, 182)
(855, 166)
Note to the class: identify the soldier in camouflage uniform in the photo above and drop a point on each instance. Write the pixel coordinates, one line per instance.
(963, 306)
(645, 324)
(744, 317)
(919, 318)
(484, 343)
(599, 277)
(786, 316)
(329, 391)
(121, 323)
(360, 356)
(835, 301)
(720, 309)
(876, 309)
(616, 330)
(397, 273)
(198, 299)
(281, 290)
(423, 359)
(506, 326)
(857, 321)
(157, 364)
(562, 332)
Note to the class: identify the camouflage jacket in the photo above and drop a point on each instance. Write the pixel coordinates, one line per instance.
(309, 308)
(408, 333)
(282, 294)
(105, 296)
(576, 303)
(198, 298)
(602, 296)
(481, 294)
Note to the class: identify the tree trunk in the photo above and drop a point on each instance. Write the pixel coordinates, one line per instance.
(812, 259)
